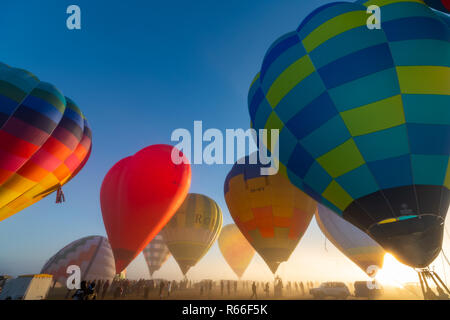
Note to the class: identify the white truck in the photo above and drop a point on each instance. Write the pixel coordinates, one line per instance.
(27, 287)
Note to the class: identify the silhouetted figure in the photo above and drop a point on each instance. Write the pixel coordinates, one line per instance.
(228, 287)
(235, 287)
(81, 293)
(105, 289)
(118, 292)
(254, 291)
(221, 287)
(302, 288)
(91, 292)
(267, 290)
(161, 289)
(169, 288)
(98, 288)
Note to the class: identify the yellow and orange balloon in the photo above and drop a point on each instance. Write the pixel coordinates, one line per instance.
(235, 249)
(271, 212)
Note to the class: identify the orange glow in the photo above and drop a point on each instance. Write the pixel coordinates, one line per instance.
(395, 273)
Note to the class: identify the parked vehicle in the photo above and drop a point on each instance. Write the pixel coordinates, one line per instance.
(337, 290)
(366, 289)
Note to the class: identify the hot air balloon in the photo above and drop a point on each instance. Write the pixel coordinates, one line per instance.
(270, 212)
(138, 197)
(156, 253)
(192, 230)
(364, 119)
(351, 241)
(235, 249)
(92, 254)
(45, 140)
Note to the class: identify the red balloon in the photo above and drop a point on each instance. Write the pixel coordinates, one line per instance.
(138, 197)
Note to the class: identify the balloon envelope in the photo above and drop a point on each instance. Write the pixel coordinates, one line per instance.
(138, 197)
(364, 119)
(351, 241)
(92, 254)
(235, 249)
(156, 253)
(192, 230)
(45, 140)
(270, 212)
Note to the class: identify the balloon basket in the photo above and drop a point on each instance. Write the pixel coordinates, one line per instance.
(426, 276)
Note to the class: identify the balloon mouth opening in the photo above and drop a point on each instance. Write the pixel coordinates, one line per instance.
(414, 240)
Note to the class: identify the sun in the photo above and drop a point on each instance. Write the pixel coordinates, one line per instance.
(395, 273)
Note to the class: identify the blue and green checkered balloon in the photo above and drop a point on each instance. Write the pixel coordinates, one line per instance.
(364, 118)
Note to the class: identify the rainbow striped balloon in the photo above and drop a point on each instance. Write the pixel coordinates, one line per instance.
(364, 118)
(45, 140)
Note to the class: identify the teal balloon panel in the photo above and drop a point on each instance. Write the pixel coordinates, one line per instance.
(364, 118)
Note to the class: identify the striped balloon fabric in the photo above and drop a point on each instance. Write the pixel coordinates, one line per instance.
(92, 254)
(156, 253)
(364, 117)
(352, 242)
(45, 140)
(192, 230)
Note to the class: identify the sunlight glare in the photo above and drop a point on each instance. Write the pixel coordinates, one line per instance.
(395, 273)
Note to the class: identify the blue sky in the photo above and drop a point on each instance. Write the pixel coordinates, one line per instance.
(139, 70)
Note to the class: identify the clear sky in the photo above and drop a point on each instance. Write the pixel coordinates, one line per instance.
(139, 70)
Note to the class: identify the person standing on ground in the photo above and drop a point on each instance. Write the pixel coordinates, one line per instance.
(91, 292)
(169, 288)
(81, 293)
(105, 289)
(161, 289)
(254, 291)
(146, 291)
(98, 288)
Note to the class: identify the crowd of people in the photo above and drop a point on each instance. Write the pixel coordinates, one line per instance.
(162, 289)
(123, 288)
